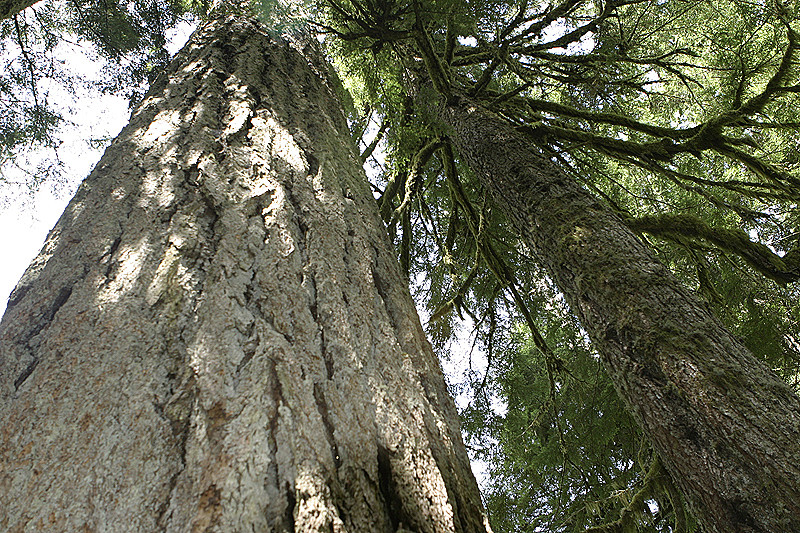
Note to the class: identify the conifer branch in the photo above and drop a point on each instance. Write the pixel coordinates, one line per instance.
(784, 269)
(30, 65)
(496, 265)
(650, 484)
(437, 72)
(414, 180)
(374, 144)
(449, 40)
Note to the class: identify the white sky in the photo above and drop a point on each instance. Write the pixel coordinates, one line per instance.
(25, 222)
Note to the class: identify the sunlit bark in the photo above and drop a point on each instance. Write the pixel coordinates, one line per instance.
(216, 335)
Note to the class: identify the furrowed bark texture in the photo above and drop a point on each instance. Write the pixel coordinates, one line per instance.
(725, 426)
(216, 335)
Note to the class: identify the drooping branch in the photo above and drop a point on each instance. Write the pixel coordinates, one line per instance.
(436, 70)
(30, 65)
(414, 180)
(651, 484)
(368, 151)
(785, 269)
(502, 272)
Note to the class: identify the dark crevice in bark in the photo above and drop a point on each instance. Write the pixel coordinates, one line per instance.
(182, 438)
(25, 374)
(249, 352)
(446, 468)
(461, 513)
(257, 100)
(251, 335)
(269, 319)
(30, 342)
(255, 206)
(276, 389)
(211, 215)
(177, 412)
(192, 173)
(298, 215)
(284, 521)
(60, 299)
(326, 356)
(109, 256)
(291, 503)
(389, 491)
(308, 280)
(249, 349)
(313, 163)
(322, 407)
(381, 289)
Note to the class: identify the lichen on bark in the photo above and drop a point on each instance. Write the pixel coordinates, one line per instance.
(725, 426)
(216, 335)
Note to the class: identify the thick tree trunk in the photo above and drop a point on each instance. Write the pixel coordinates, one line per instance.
(725, 426)
(216, 335)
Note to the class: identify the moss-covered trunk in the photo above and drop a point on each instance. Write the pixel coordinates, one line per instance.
(726, 427)
(216, 335)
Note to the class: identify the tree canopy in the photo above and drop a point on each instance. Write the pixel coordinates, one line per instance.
(678, 114)
(130, 37)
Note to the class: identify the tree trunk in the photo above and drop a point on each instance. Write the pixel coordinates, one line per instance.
(216, 335)
(725, 426)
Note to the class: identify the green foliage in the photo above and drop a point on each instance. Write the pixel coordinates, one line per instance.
(127, 33)
(24, 117)
(666, 110)
(129, 37)
(678, 107)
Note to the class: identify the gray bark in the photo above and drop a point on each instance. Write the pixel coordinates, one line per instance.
(216, 335)
(725, 426)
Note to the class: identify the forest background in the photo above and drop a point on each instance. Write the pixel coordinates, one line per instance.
(617, 94)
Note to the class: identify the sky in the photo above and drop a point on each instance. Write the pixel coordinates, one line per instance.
(26, 219)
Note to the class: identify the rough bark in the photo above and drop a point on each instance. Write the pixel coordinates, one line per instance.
(725, 426)
(216, 335)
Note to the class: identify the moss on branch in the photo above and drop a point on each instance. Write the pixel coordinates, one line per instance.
(784, 269)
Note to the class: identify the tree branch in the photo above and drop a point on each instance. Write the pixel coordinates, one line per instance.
(784, 269)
